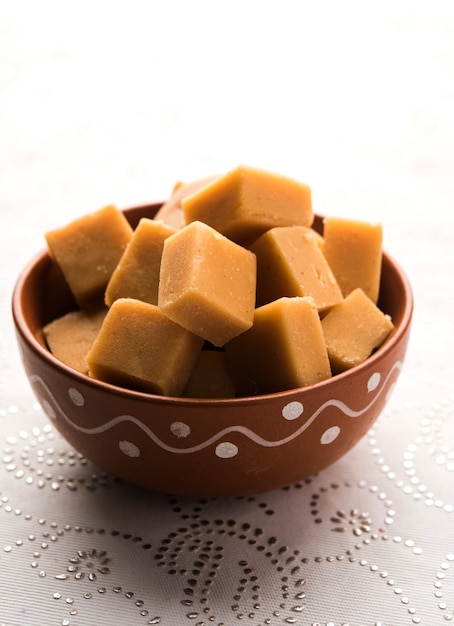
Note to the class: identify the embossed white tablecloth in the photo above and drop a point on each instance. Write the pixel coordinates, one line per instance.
(114, 102)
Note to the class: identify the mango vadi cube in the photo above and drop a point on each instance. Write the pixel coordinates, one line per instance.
(246, 202)
(137, 273)
(353, 329)
(284, 349)
(87, 251)
(207, 283)
(139, 347)
(291, 263)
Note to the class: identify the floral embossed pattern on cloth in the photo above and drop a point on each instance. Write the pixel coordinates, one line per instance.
(370, 540)
(81, 542)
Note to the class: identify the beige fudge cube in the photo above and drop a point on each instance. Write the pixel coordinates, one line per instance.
(210, 377)
(291, 263)
(207, 283)
(88, 250)
(246, 202)
(353, 330)
(353, 250)
(71, 336)
(138, 347)
(284, 349)
(137, 273)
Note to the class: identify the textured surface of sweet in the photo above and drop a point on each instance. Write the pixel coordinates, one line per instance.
(290, 263)
(88, 249)
(284, 349)
(353, 329)
(207, 283)
(70, 337)
(246, 201)
(137, 273)
(353, 249)
(138, 347)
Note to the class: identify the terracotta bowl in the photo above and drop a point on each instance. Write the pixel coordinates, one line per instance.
(205, 448)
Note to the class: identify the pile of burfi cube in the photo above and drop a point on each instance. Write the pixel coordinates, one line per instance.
(227, 292)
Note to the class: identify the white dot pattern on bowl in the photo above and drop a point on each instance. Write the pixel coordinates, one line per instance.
(292, 410)
(373, 381)
(224, 449)
(180, 429)
(130, 449)
(76, 396)
(330, 435)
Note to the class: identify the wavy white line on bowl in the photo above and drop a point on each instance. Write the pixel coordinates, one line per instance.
(247, 432)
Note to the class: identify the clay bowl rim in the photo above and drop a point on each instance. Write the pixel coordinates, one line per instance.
(22, 326)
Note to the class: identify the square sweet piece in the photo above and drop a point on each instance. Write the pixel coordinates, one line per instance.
(353, 250)
(291, 263)
(88, 250)
(207, 283)
(210, 377)
(138, 347)
(246, 202)
(284, 349)
(353, 329)
(71, 336)
(137, 273)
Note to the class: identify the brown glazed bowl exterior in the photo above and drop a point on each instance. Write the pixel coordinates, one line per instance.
(205, 448)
